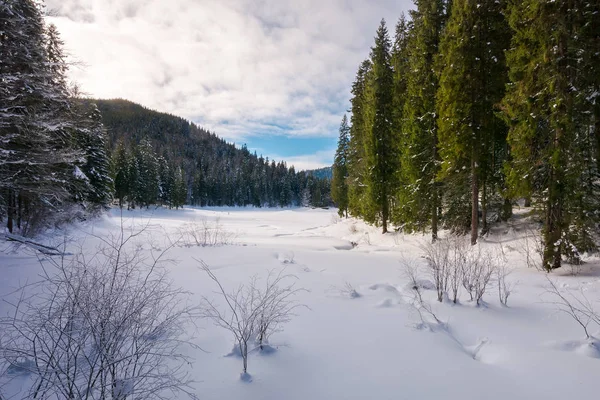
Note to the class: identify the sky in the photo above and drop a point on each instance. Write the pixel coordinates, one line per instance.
(272, 74)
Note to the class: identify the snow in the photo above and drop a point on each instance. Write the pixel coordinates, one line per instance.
(359, 337)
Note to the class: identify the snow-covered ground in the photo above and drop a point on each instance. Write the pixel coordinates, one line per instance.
(369, 346)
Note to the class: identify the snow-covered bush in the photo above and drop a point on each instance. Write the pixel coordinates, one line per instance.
(254, 311)
(106, 325)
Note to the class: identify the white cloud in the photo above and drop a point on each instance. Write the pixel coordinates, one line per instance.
(237, 67)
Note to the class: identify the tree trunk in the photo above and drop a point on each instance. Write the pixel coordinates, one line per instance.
(484, 225)
(434, 214)
(19, 211)
(10, 211)
(474, 202)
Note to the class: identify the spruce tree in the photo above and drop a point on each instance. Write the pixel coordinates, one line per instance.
(339, 184)
(471, 82)
(120, 173)
(551, 116)
(399, 62)
(381, 146)
(36, 161)
(421, 200)
(358, 201)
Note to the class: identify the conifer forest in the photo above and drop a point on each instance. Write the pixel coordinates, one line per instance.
(470, 106)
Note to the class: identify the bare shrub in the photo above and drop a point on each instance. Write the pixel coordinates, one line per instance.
(253, 312)
(437, 255)
(479, 269)
(458, 249)
(205, 233)
(505, 288)
(106, 325)
(577, 306)
(422, 307)
(532, 247)
(353, 228)
(347, 290)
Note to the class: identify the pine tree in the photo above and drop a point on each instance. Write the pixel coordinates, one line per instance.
(179, 189)
(550, 112)
(96, 168)
(419, 160)
(381, 148)
(471, 82)
(400, 53)
(36, 161)
(358, 201)
(120, 173)
(339, 184)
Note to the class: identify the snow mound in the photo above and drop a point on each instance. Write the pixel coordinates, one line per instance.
(384, 286)
(587, 347)
(387, 303)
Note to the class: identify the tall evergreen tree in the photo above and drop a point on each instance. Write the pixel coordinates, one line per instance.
(420, 160)
(339, 184)
(550, 113)
(96, 167)
(471, 83)
(400, 53)
(358, 201)
(381, 147)
(36, 161)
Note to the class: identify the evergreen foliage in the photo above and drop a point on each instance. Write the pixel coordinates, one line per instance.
(470, 136)
(151, 151)
(491, 102)
(420, 200)
(47, 141)
(551, 106)
(339, 184)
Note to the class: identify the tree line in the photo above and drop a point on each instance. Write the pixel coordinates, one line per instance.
(158, 158)
(472, 106)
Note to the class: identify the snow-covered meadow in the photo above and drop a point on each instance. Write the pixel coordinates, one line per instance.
(369, 343)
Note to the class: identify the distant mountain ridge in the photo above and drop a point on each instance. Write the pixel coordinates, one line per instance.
(322, 173)
(216, 172)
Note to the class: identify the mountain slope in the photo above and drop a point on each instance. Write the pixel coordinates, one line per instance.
(216, 172)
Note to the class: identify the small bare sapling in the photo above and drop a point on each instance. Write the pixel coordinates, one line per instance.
(253, 311)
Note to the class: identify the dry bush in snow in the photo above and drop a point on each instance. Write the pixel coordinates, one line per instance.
(353, 229)
(505, 288)
(453, 263)
(346, 290)
(420, 305)
(254, 311)
(577, 306)
(532, 247)
(101, 325)
(437, 255)
(459, 249)
(205, 233)
(479, 269)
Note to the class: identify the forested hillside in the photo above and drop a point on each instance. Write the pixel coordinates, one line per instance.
(471, 106)
(159, 158)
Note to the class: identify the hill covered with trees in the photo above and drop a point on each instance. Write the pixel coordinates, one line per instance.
(159, 158)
